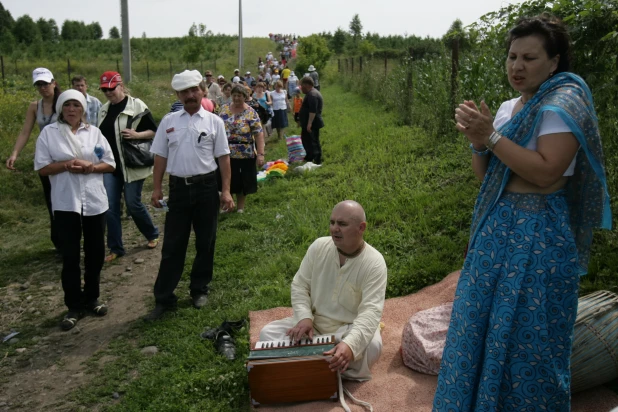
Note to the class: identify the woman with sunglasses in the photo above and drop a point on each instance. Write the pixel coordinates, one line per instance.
(41, 112)
(125, 117)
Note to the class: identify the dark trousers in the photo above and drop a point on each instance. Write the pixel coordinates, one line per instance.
(189, 205)
(311, 143)
(47, 193)
(72, 225)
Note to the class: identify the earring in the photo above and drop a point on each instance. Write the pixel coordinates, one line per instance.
(551, 74)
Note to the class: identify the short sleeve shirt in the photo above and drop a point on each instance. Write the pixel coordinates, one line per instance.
(73, 192)
(240, 129)
(190, 143)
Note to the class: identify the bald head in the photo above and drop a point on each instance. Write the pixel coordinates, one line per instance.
(352, 209)
(347, 225)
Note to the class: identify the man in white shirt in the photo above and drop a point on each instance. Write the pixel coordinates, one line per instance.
(339, 289)
(186, 146)
(93, 105)
(214, 91)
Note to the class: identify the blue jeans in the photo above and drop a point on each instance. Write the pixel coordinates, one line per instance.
(115, 185)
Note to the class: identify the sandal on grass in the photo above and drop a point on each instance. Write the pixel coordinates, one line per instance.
(69, 321)
(153, 243)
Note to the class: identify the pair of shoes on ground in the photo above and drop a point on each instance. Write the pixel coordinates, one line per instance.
(199, 301)
(222, 337)
(71, 318)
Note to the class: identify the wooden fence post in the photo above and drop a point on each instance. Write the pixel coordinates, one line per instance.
(454, 75)
(409, 85)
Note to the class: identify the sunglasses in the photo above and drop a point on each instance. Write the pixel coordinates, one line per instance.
(108, 89)
(209, 75)
(41, 84)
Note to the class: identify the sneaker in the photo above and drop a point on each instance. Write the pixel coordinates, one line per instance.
(200, 301)
(158, 312)
(99, 309)
(69, 321)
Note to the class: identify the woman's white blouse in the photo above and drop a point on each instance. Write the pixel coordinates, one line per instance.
(278, 98)
(71, 192)
(549, 123)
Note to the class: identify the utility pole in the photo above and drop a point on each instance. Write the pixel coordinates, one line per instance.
(126, 41)
(240, 52)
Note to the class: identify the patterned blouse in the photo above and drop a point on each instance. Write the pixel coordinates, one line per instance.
(240, 130)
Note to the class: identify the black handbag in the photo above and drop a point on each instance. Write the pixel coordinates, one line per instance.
(136, 152)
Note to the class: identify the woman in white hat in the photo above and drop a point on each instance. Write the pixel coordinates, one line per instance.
(74, 155)
(42, 112)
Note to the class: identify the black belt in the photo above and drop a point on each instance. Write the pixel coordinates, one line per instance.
(193, 179)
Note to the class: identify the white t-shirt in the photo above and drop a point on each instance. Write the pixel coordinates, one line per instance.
(549, 123)
(178, 140)
(279, 99)
(72, 192)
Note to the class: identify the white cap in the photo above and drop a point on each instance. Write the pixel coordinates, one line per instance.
(70, 94)
(42, 74)
(248, 73)
(236, 79)
(186, 80)
(220, 77)
(311, 68)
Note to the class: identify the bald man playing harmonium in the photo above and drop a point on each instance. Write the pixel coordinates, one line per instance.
(339, 290)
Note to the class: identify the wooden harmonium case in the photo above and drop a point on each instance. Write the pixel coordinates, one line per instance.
(284, 371)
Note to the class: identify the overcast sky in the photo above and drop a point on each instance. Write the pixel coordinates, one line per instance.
(167, 18)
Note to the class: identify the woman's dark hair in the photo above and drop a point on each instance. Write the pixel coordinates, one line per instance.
(556, 39)
(57, 92)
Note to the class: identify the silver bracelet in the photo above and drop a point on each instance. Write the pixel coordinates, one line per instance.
(493, 139)
(479, 152)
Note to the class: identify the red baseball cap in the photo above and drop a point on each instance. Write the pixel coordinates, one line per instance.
(110, 80)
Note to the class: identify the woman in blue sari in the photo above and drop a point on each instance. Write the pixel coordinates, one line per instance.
(544, 190)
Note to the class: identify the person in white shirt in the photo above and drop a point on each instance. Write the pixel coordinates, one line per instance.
(188, 144)
(93, 105)
(214, 91)
(75, 155)
(339, 289)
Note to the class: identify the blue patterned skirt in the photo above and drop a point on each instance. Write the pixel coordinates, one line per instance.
(508, 345)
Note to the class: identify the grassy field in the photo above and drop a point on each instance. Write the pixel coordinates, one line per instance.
(418, 192)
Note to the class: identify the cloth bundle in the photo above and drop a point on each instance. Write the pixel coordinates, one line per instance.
(278, 168)
(296, 151)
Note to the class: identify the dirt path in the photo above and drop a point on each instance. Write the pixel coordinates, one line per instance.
(52, 364)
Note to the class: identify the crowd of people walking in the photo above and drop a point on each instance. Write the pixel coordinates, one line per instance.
(92, 155)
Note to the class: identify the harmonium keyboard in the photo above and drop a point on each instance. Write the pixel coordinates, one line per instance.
(286, 371)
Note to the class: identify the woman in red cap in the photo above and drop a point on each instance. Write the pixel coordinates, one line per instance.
(41, 112)
(125, 117)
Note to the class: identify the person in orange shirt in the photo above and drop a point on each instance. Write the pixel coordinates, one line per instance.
(298, 102)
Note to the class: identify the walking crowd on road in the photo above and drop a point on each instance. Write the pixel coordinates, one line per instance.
(92, 157)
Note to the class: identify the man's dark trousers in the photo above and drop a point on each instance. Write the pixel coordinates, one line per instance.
(311, 143)
(194, 204)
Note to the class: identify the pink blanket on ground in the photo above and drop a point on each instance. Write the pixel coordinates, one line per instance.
(394, 387)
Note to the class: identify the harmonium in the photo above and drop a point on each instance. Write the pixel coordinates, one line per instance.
(284, 371)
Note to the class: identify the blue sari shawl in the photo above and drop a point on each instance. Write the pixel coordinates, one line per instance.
(567, 95)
